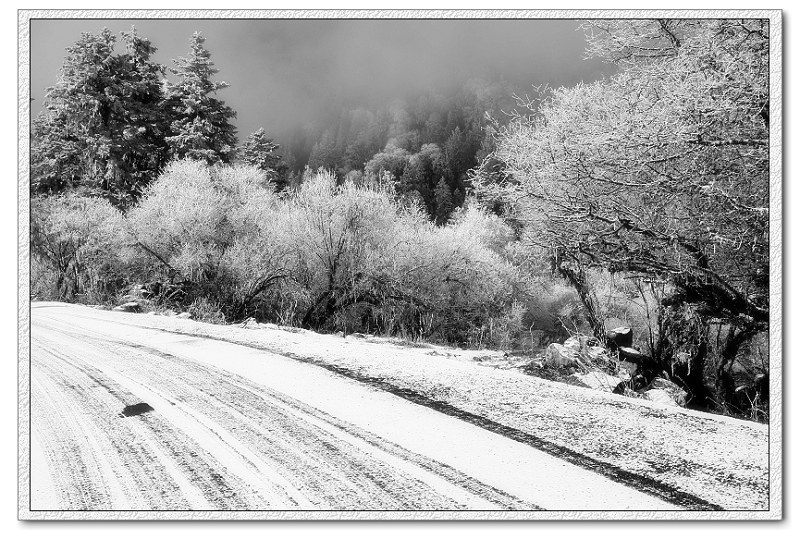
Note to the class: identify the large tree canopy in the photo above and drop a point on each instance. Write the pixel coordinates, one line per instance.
(103, 125)
(661, 170)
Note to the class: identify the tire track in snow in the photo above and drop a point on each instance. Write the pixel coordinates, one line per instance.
(166, 469)
(234, 391)
(635, 480)
(367, 477)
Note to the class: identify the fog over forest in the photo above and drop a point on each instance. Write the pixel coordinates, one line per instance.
(285, 75)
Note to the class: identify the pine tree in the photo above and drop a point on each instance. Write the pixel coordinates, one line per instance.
(409, 180)
(259, 150)
(455, 154)
(444, 201)
(141, 151)
(201, 125)
(102, 127)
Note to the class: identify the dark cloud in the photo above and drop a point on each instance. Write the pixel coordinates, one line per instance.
(285, 73)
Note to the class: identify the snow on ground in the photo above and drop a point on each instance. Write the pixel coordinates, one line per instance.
(228, 426)
(718, 459)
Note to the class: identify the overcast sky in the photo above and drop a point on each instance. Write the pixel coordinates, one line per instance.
(282, 72)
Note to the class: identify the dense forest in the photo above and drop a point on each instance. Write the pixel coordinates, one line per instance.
(473, 218)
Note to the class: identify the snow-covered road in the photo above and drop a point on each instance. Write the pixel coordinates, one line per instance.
(227, 426)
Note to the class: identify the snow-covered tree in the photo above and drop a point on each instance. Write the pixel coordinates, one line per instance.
(102, 126)
(260, 151)
(660, 171)
(201, 125)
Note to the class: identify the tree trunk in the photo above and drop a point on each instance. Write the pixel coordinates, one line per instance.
(577, 278)
(320, 312)
(726, 385)
(685, 331)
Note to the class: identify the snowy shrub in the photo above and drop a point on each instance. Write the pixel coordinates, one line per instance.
(327, 256)
(476, 285)
(342, 236)
(205, 310)
(367, 262)
(75, 247)
(489, 230)
(202, 226)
